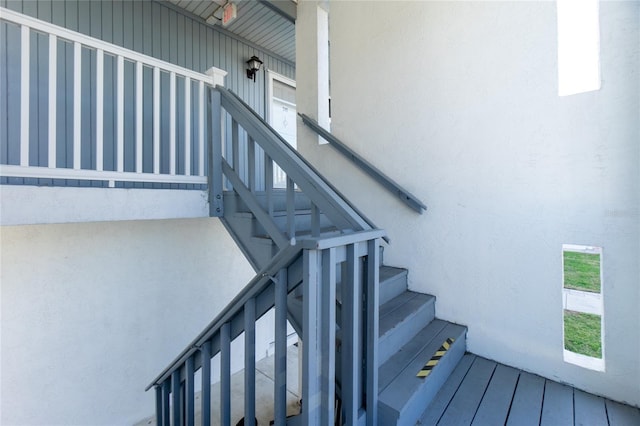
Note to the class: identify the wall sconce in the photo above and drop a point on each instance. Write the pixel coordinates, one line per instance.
(254, 65)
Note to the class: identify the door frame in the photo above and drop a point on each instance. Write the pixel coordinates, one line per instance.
(271, 76)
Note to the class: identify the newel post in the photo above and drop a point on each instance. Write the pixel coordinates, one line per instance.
(215, 128)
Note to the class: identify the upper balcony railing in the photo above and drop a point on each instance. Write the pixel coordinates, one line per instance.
(83, 109)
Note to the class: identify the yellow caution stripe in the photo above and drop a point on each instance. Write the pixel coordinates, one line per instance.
(426, 370)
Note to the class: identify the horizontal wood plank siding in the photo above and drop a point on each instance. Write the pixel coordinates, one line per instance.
(148, 27)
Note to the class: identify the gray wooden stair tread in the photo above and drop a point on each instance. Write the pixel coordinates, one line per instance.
(400, 307)
(494, 406)
(389, 370)
(557, 406)
(390, 272)
(526, 406)
(399, 392)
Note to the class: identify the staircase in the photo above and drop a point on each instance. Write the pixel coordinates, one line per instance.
(319, 265)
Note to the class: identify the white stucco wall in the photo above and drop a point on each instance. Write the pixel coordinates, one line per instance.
(458, 101)
(91, 313)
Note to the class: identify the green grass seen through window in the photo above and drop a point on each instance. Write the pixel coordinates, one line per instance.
(582, 271)
(582, 333)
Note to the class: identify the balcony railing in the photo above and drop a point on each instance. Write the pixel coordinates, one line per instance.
(83, 109)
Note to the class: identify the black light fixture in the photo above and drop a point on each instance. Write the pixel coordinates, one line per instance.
(254, 65)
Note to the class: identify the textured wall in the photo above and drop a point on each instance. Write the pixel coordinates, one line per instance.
(458, 102)
(92, 312)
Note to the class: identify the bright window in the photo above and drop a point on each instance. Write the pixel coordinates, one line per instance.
(583, 307)
(578, 46)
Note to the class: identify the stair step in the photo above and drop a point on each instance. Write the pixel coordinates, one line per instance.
(393, 281)
(403, 397)
(400, 319)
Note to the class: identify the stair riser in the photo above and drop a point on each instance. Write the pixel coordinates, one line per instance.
(392, 287)
(416, 403)
(404, 331)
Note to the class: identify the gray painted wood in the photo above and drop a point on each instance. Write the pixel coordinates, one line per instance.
(527, 401)
(434, 411)
(589, 409)
(496, 401)
(407, 396)
(464, 404)
(557, 406)
(622, 415)
(147, 27)
(390, 369)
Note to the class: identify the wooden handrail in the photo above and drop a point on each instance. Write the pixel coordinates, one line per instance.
(376, 174)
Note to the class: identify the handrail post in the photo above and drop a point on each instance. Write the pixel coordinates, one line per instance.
(216, 205)
(310, 335)
(372, 280)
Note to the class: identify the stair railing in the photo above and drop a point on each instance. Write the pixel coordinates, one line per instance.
(312, 263)
(251, 137)
(159, 147)
(316, 262)
(376, 174)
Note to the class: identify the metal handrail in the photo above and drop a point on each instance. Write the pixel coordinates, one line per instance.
(375, 173)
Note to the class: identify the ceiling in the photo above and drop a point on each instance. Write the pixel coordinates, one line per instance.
(268, 24)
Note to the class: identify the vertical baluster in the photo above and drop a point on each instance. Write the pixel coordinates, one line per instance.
(225, 375)
(187, 126)
(280, 369)
(138, 117)
(268, 182)
(189, 391)
(249, 361)
(99, 110)
(328, 337)
(175, 397)
(350, 337)
(77, 106)
(201, 128)
(291, 210)
(251, 163)
(166, 393)
(53, 73)
(205, 350)
(372, 292)
(216, 206)
(172, 123)
(156, 120)
(310, 374)
(120, 114)
(25, 54)
(159, 420)
(235, 146)
(315, 220)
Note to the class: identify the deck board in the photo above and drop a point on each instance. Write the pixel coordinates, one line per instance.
(481, 392)
(448, 390)
(527, 401)
(495, 404)
(622, 415)
(589, 409)
(464, 404)
(557, 406)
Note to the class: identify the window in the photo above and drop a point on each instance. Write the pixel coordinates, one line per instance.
(583, 311)
(578, 46)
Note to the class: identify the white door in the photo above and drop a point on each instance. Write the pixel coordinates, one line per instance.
(281, 114)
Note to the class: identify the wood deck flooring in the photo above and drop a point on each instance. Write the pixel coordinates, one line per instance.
(480, 392)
